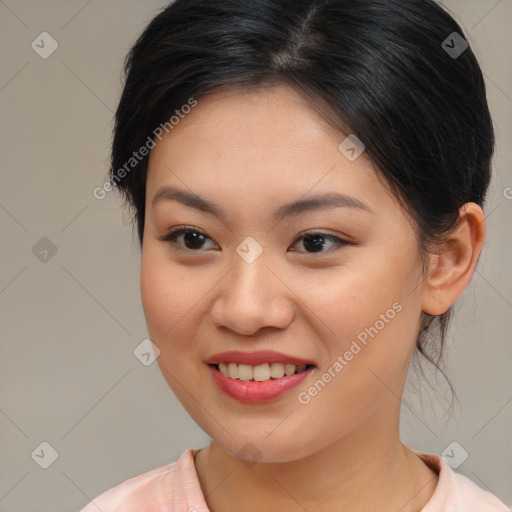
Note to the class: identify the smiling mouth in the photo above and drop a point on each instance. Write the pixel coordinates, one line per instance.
(261, 372)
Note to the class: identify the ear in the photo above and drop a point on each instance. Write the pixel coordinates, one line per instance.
(451, 269)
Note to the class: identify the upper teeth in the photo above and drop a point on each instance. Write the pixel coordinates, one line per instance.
(260, 372)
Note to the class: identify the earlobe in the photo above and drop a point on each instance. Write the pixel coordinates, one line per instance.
(452, 267)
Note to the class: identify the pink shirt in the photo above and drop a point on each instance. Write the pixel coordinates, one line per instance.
(175, 488)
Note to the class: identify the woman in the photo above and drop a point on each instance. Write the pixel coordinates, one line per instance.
(307, 179)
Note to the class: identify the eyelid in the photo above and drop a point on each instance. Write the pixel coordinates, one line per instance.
(178, 230)
(318, 231)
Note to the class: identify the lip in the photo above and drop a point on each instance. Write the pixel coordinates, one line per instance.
(257, 392)
(256, 358)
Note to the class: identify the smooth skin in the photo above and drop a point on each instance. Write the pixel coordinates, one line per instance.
(249, 153)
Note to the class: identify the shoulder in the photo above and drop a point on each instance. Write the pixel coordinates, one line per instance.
(467, 495)
(456, 492)
(163, 489)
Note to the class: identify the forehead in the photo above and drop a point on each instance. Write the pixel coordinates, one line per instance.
(267, 137)
(263, 118)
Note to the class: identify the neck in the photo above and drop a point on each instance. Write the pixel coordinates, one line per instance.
(371, 469)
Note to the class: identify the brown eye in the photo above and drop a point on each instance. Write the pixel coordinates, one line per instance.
(193, 239)
(188, 238)
(314, 242)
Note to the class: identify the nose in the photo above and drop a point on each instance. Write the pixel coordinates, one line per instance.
(252, 296)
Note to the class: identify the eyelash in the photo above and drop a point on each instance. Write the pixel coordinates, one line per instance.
(173, 234)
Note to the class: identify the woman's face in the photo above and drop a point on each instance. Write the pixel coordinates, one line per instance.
(253, 282)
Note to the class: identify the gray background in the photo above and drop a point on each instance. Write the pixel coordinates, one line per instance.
(70, 321)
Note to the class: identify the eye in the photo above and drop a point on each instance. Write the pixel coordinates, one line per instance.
(316, 241)
(192, 237)
(194, 240)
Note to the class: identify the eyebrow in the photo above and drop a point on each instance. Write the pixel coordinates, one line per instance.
(313, 203)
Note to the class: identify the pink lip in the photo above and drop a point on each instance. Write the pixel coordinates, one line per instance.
(257, 392)
(256, 358)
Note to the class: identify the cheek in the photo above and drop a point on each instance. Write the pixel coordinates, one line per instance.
(165, 298)
(348, 299)
(370, 301)
(156, 295)
(168, 296)
(171, 297)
